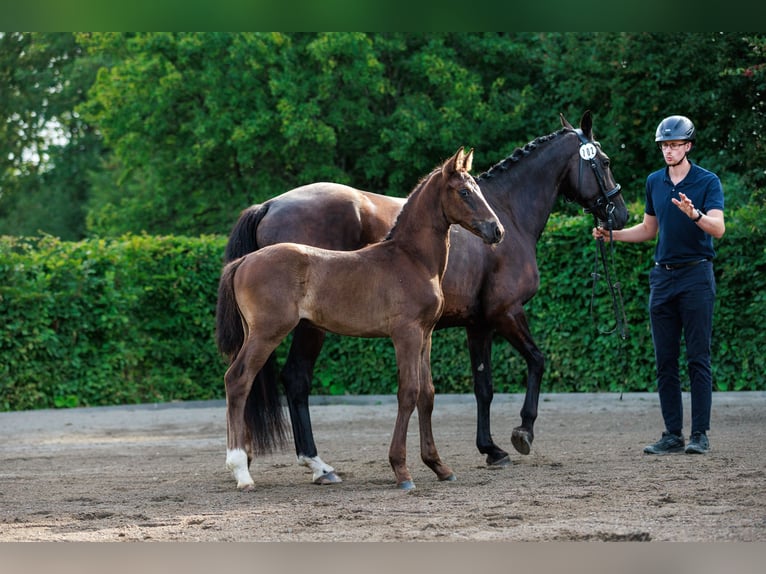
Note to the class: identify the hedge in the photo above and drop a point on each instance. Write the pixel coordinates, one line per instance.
(131, 320)
(103, 322)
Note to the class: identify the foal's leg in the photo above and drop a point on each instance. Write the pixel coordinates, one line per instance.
(480, 350)
(239, 380)
(428, 450)
(408, 366)
(296, 376)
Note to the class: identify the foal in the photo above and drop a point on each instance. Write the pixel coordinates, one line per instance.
(389, 289)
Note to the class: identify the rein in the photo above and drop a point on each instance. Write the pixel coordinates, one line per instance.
(588, 153)
(615, 289)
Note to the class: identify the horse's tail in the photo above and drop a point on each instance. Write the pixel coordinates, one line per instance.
(242, 240)
(264, 414)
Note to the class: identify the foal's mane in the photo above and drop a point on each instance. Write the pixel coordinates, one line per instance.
(518, 154)
(418, 188)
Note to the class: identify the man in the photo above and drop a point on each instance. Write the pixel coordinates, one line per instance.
(684, 204)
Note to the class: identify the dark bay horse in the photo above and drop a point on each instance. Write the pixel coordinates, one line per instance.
(387, 289)
(484, 289)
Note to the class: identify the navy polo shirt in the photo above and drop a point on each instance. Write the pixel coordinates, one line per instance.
(680, 239)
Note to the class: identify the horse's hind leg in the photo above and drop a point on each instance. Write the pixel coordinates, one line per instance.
(239, 380)
(296, 376)
(480, 350)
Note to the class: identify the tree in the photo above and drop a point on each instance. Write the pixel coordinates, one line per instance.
(202, 125)
(46, 149)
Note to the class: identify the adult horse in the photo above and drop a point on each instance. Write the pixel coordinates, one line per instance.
(484, 289)
(388, 289)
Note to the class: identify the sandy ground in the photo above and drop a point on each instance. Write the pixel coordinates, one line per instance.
(156, 473)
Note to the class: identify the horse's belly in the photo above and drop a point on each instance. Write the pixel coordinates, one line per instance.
(343, 324)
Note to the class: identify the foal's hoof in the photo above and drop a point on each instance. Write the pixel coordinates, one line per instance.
(406, 485)
(328, 478)
(521, 440)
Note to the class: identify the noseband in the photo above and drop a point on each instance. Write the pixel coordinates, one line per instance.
(588, 152)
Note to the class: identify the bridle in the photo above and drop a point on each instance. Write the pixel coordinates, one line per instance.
(588, 152)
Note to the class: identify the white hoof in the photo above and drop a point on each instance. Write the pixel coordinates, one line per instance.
(319, 467)
(236, 462)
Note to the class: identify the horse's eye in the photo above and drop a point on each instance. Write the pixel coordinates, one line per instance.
(465, 192)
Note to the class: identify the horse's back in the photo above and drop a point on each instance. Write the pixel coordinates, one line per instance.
(328, 215)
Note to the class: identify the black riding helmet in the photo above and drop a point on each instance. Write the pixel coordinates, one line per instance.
(675, 128)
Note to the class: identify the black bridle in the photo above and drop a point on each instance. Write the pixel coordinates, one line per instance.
(588, 152)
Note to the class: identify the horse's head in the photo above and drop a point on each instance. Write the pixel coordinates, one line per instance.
(590, 180)
(464, 204)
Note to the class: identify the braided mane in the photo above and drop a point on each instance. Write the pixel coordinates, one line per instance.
(518, 154)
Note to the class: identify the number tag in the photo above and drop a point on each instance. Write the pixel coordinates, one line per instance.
(587, 151)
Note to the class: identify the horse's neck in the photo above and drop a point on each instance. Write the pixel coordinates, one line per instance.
(423, 231)
(526, 191)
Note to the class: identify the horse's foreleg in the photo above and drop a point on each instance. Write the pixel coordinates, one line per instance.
(408, 367)
(480, 350)
(296, 377)
(428, 451)
(516, 331)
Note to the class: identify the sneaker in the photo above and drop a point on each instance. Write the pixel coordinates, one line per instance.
(667, 444)
(698, 443)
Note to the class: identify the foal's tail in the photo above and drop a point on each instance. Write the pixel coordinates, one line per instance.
(242, 240)
(264, 414)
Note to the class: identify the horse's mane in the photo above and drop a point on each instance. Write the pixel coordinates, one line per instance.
(420, 185)
(518, 154)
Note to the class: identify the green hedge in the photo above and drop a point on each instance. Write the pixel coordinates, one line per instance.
(131, 320)
(108, 322)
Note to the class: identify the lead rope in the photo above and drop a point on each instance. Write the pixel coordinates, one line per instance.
(615, 289)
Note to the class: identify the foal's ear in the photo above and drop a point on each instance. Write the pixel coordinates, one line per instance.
(455, 163)
(468, 161)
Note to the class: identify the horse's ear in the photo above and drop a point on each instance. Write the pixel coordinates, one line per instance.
(564, 122)
(455, 163)
(469, 161)
(586, 125)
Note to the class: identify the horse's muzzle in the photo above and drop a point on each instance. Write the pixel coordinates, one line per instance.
(492, 232)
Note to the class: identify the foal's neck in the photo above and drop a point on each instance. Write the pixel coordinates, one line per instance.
(422, 229)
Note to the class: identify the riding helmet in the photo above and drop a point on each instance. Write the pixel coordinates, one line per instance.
(675, 128)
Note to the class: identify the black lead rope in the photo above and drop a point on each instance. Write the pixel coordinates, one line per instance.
(615, 289)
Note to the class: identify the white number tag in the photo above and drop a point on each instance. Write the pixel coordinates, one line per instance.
(587, 151)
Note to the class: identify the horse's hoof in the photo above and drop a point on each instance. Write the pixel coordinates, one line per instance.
(246, 488)
(501, 462)
(328, 478)
(521, 440)
(450, 478)
(406, 485)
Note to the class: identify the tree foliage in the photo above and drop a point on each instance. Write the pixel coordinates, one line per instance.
(177, 132)
(46, 149)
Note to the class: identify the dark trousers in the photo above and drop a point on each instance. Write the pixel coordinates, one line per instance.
(681, 301)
